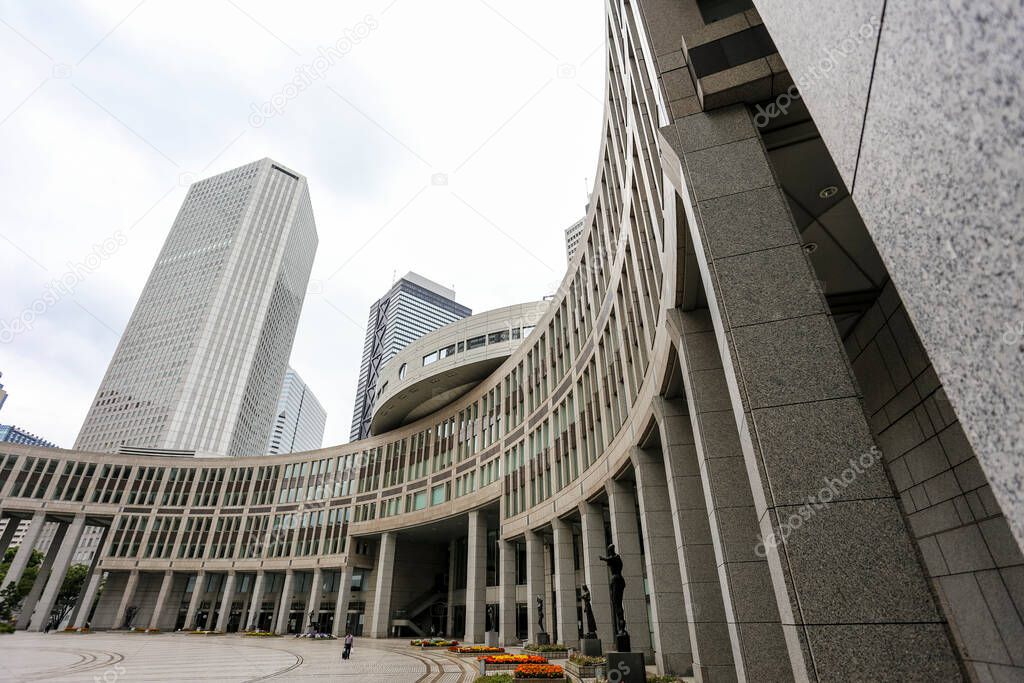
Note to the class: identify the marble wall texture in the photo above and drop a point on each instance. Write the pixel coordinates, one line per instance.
(934, 82)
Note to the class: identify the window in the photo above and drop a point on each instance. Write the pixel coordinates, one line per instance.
(439, 494)
(462, 347)
(716, 10)
(446, 351)
(527, 329)
(476, 342)
(430, 358)
(401, 370)
(516, 333)
(497, 337)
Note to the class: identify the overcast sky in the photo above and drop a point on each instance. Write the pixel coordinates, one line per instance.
(455, 139)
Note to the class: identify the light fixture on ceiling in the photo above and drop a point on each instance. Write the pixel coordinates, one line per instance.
(830, 191)
(810, 247)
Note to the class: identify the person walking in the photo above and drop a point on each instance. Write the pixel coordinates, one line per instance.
(347, 652)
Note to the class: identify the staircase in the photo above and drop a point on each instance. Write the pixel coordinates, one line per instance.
(406, 617)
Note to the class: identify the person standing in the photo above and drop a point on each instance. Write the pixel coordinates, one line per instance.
(347, 652)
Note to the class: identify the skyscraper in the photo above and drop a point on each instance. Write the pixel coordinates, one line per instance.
(572, 238)
(12, 434)
(200, 364)
(299, 425)
(412, 307)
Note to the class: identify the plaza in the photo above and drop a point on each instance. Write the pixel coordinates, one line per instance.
(129, 658)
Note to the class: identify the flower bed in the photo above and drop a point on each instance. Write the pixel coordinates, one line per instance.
(260, 634)
(200, 632)
(552, 650)
(585, 667)
(471, 650)
(439, 642)
(510, 662)
(539, 672)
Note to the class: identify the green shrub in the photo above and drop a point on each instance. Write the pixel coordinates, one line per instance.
(553, 647)
(496, 678)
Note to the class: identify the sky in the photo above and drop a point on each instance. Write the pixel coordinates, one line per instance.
(457, 139)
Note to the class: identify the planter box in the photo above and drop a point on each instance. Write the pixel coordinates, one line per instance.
(583, 670)
(550, 654)
(475, 654)
(538, 680)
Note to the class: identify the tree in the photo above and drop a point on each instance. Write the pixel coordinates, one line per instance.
(76, 577)
(28, 576)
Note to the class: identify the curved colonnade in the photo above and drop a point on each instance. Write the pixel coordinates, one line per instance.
(684, 396)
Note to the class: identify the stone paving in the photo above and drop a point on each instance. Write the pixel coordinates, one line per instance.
(128, 657)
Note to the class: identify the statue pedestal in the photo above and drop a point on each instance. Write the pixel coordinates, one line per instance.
(591, 647)
(491, 638)
(543, 638)
(622, 643)
(629, 665)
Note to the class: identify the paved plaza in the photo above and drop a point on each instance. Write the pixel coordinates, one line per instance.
(128, 657)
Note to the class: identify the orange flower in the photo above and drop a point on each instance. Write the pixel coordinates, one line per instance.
(539, 671)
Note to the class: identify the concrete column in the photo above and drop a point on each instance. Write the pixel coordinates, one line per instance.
(565, 585)
(256, 601)
(226, 602)
(126, 599)
(595, 572)
(341, 604)
(28, 605)
(625, 533)
(507, 603)
(672, 651)
(285, 606)
(82, 602)
(9, 530)
(316, 590)
(381, 624)
(193, 603)
(476, 578)
(800, 426)
(86, 600)
(57, 573)
(24, 554)
(450, 617)
(698, 570)
(534, 582)
(161, 599)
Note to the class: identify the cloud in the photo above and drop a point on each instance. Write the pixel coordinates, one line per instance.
(477, 91)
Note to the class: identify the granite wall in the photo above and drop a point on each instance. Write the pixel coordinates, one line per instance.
(970, 556)
(920, 105)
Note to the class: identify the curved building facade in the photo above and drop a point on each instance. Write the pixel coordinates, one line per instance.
(444, 365)
(737, 384)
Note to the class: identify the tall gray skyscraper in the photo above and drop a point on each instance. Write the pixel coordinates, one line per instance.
(200, 364)
(573, 234)
(412, 307)
(299, 425)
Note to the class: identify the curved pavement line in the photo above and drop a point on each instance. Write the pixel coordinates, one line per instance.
(299, 660)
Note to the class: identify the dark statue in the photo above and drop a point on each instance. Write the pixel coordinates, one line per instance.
(588, 613)
(617, 588)
(540, 613)
(492, 618)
